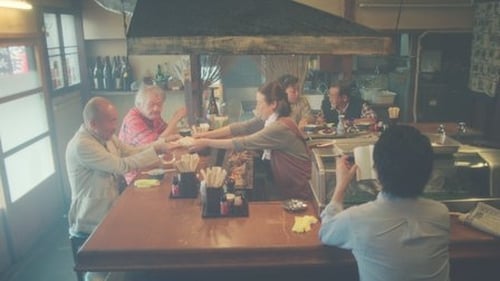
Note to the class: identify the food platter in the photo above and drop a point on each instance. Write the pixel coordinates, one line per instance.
(294, 205)
(239, 166)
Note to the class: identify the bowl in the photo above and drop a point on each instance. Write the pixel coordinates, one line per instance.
(363, 126)
(185, 132)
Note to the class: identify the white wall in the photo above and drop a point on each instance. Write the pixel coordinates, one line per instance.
(67, 112)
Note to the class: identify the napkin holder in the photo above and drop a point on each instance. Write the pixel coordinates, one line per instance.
(211, 202)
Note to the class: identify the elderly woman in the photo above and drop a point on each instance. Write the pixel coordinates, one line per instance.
(274, 132)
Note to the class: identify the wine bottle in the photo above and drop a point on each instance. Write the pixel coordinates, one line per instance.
(160, 77)
(126, 74)
(107, 72)
(212, 110)
(117, 79)
(341, 126)
(212, 104)
(98, 74)
(90, 72)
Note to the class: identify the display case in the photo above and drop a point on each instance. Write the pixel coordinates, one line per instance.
(459, 179)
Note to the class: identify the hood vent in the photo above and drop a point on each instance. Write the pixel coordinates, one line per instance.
(246, 27)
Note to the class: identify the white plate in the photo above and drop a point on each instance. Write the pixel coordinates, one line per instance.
(155, 172)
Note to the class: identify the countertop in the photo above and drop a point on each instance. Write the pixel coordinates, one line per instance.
(146, 231)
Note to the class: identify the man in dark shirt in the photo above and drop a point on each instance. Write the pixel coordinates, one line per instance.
(339, 101)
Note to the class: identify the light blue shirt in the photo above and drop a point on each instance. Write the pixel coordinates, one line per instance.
(392, 239)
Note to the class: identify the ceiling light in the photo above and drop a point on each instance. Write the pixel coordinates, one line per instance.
(15, 4)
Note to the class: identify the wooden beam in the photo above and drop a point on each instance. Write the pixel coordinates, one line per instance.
(256, 45)
(193, 90)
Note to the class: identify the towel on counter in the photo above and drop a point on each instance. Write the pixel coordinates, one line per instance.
(146, 183)
(303, 224)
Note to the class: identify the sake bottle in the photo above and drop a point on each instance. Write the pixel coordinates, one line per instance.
(340, 126)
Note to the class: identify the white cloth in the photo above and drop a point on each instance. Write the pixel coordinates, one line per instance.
(392, 239)
(266, 155)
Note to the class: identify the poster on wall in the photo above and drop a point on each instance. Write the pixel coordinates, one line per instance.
(485, 57)
(13, 60)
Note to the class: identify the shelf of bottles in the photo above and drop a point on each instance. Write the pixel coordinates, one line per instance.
(110, 73)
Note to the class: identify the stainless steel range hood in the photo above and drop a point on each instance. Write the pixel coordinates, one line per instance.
(246, 27)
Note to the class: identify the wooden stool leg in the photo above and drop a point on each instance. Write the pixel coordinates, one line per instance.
(76, 243)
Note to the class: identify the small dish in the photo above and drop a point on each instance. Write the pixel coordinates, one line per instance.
(327, 132)
(294, 205)
(166, 162)
(156, 173)
(363, 126)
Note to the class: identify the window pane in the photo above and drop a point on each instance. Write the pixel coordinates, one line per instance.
(50, 22)
(54, 52)
(68, 28)
(56, 72)
(29, 167)
(21, 120)
(73, 68)
(18, 71)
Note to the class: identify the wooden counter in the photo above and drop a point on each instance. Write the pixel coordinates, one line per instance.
(450, 128)
(147, 233)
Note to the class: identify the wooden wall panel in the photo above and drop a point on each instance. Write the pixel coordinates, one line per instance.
(434, 15)
(17, 22)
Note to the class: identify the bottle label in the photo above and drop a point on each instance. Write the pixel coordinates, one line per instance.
(224, 208)
(175, 189)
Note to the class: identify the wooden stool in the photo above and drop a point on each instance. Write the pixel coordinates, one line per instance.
(76, 243)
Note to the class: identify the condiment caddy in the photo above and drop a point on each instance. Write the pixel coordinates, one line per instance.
(219, 200)
(220, 204)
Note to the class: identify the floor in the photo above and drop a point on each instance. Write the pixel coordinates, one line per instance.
(51, 260)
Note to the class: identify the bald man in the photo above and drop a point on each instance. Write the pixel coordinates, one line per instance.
(95, 159)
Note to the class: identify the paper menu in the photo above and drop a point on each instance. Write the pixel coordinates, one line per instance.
(363, 157)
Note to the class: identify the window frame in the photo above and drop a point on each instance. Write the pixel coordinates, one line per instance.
(66, 88)
(36, 43)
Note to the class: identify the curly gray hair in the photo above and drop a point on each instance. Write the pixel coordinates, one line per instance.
(145, 90)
